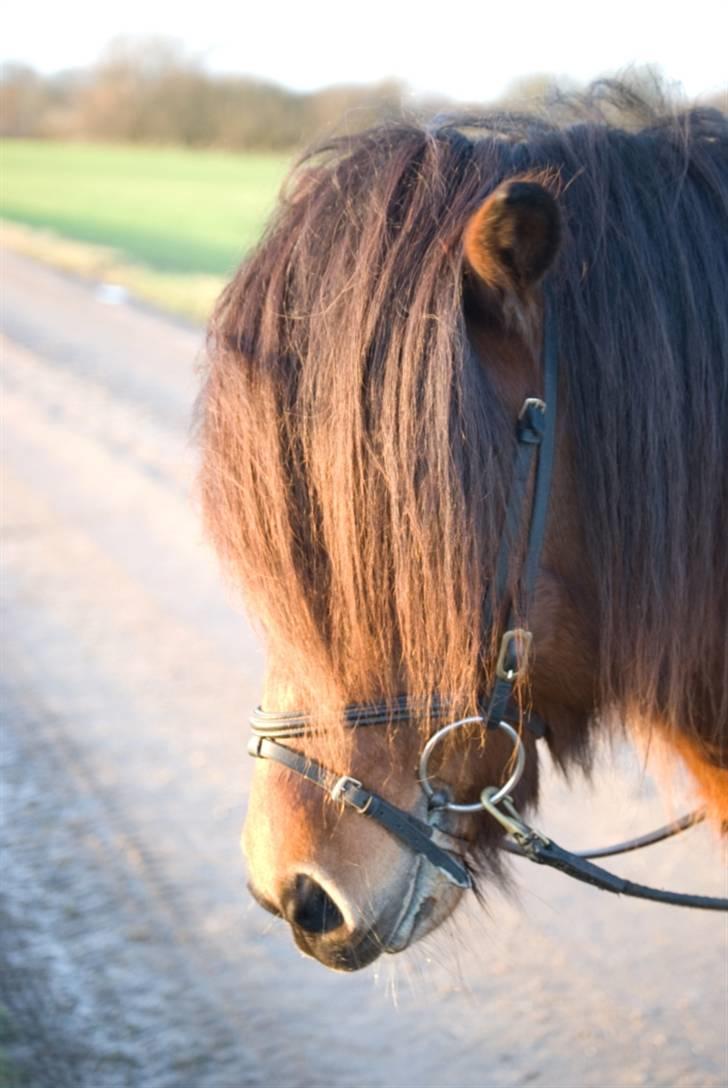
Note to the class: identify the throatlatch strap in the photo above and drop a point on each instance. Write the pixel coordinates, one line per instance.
(414, 833)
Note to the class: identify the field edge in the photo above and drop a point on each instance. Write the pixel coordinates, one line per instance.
(190, 296)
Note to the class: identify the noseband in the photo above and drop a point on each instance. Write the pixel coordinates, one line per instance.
(536, 438)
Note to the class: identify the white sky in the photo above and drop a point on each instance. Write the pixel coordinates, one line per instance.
(465, 50)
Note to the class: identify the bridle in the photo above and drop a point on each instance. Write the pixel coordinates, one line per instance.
(536, 438)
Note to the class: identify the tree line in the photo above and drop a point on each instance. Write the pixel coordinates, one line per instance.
(151, 91)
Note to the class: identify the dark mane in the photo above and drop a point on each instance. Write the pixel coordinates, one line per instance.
(355, 455)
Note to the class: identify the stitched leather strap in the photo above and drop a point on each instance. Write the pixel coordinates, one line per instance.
(529, 432)
(536, 434)
(414, 833)
(547, 852)
(296, 724)
(544, 471)
(287, 726)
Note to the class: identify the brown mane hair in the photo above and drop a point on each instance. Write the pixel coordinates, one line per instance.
(356, 455)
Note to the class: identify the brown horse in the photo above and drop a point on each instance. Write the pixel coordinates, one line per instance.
(366, 367)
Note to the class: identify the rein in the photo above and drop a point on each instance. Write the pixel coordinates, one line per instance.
(536, 439)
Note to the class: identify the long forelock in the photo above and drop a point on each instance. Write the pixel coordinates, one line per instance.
(353, 449)
(356, 457)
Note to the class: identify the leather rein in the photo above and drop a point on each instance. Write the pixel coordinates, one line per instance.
(536, 438)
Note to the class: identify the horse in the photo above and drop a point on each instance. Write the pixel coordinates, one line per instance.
(367, 369)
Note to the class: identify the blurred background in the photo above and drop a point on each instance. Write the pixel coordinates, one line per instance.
(152, 159)
(141, 153)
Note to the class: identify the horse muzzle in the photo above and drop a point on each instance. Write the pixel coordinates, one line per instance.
(328, 928)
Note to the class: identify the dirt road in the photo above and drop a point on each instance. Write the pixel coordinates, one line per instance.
(131, 954)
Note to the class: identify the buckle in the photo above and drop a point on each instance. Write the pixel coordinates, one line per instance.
(340, 791)
(532, 402)
(532, 421)
(520, 640)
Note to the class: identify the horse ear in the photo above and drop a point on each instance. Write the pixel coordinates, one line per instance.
(513, 237)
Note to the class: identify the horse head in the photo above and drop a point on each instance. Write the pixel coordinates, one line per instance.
(369, 366)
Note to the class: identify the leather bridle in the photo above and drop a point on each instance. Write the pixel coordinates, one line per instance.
(536, 439)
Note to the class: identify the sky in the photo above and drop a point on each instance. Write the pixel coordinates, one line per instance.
(467, 51)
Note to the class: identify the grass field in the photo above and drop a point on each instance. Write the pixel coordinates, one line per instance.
(169, 224)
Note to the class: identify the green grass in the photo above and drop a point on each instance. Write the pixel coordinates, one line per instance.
(170, 210)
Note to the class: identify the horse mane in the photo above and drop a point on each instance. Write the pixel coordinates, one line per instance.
(356, 456)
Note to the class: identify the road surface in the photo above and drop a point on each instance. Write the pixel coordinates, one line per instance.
(131, 953)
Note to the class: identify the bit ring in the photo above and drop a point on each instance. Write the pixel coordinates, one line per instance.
(475, 806)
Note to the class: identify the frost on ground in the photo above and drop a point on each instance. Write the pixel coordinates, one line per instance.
(130, 952)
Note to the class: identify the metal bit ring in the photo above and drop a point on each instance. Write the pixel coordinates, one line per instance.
(475, 806)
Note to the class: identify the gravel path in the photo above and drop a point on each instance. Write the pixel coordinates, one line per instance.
(129, 949)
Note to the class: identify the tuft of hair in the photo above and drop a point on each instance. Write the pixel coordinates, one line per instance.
(356, 456)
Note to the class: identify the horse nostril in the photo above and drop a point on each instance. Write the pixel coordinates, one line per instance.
(307, 906)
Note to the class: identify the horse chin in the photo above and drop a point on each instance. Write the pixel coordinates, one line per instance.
(431, 900)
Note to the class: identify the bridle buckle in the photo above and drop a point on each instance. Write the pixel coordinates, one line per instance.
(532, 402)
(344, 790)
(518, 639)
